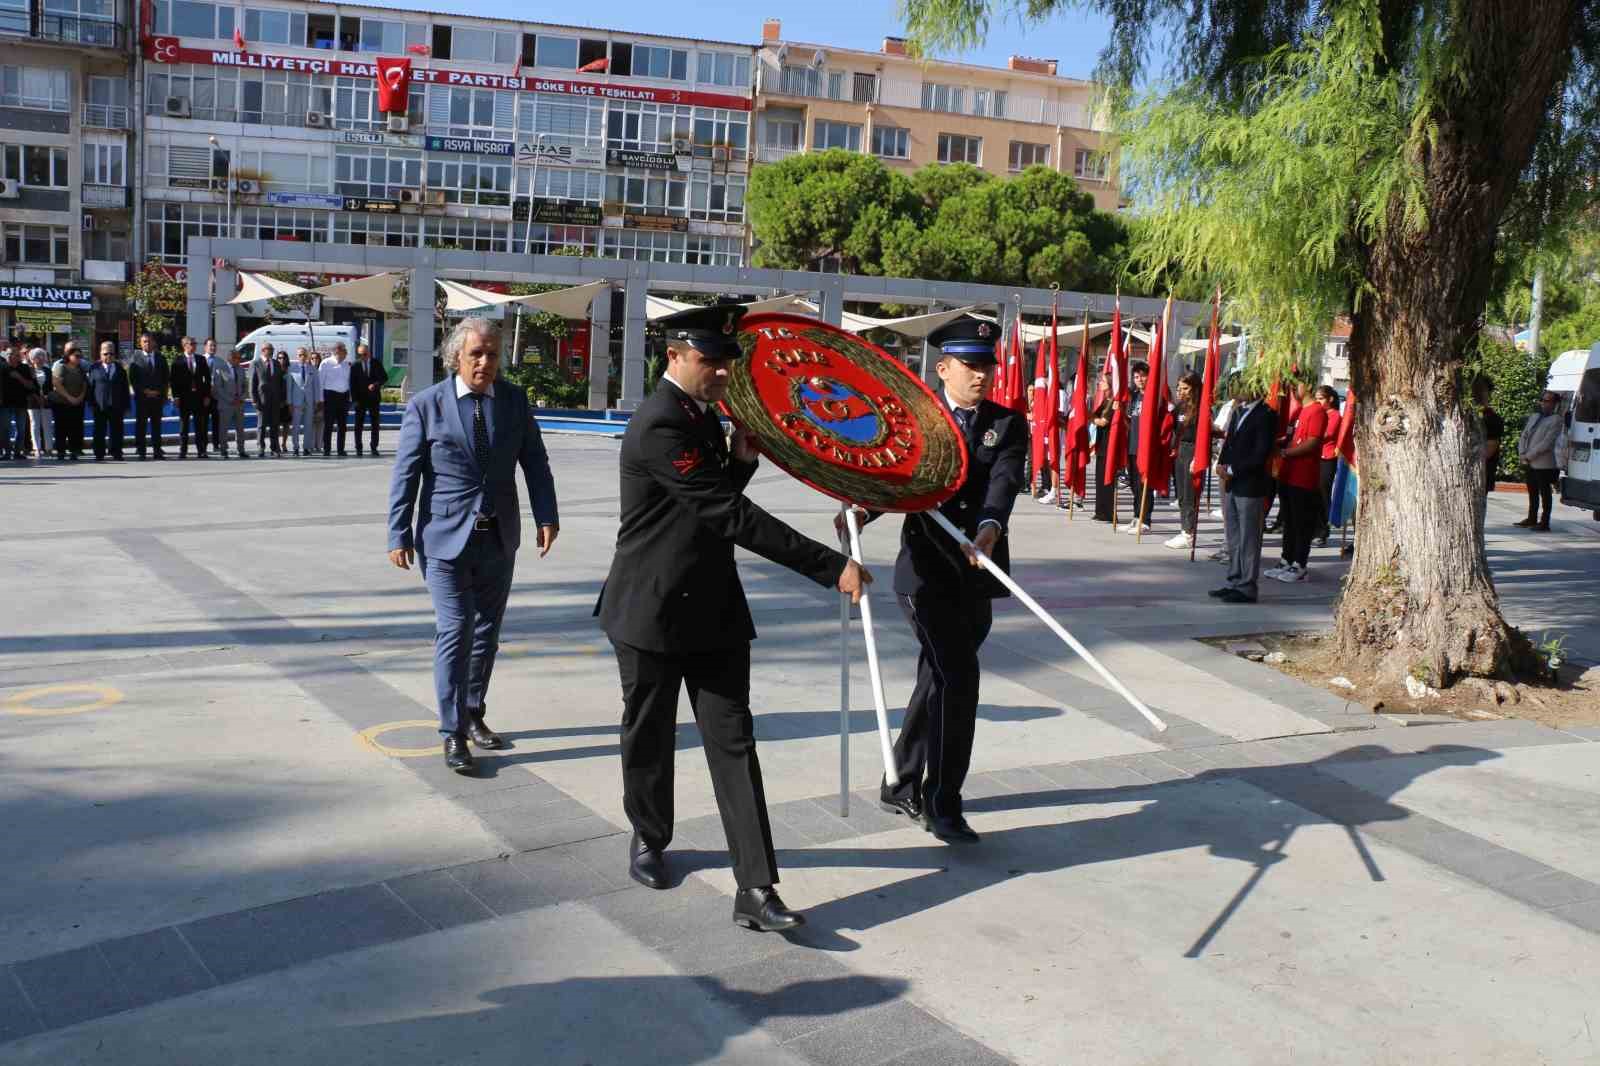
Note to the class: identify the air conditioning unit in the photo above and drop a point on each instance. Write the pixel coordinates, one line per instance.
(399, 123)
(680, 146)
(317, 120)
(719, 153)
(818, 59)
(88, 220)
(10, 189)
(176, 107)
(409, 196)
(247, 186)
(433, 197)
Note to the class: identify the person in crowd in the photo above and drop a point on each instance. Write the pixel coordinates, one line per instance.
(24, 386)
(305, 398)
(455, 472)
(1242, 465)
(1494, 429)
(319, 409)
(367, 378)
(335, 376)
(71, 382)
(15, 378)
(285, 411)
(1539, 445)
(191, 389)
(148, 377)
(1141, 491)
(40, 419)
(1105, 496)
(1299, 487)
(1329, 464)
(1187, 415)
(109, 395)
(229, 391)
(268, 389)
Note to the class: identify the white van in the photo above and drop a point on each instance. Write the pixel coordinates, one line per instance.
(292, 336)
(1575, 376)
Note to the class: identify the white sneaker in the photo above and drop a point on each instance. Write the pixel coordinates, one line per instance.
(1180, 542)
(1047, 499)
(1277, 571)
(1216, 512)
(1292, 573)
(1133, 527)
(1219, 556)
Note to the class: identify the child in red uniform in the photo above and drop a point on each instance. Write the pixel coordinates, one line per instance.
(1299, 487)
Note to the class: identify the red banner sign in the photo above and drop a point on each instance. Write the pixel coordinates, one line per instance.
(394, 85)
(170, 50)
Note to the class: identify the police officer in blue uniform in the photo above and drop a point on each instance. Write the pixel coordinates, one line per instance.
(676, 614)
(945, 596)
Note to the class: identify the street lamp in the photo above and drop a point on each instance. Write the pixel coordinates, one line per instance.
(227, 181)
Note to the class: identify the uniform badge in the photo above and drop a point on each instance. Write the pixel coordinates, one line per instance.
(990, 438)
(985, 331)
(727, 325)
(687, 461)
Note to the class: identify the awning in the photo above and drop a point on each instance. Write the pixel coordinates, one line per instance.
(375, 293)
(257, 287)
(572, 303)
(660, 307)
(1065, 331)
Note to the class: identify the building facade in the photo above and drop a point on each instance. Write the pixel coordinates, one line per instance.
(908, 111)
(67, 129)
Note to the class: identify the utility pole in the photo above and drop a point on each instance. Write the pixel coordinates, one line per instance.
(1536, 315)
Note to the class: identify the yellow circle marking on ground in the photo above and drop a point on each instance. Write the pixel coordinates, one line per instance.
(99, 697)
(370, 735)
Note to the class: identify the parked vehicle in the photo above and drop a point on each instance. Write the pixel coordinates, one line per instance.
(1575, 377)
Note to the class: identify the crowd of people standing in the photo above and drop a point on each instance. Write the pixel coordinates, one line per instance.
(303, 405)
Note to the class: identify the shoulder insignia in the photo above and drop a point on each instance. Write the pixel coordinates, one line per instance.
(687, 461)
(990, 438)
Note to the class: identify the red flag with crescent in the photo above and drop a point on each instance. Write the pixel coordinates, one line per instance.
(1075, 463)
(1208, 390)
(394, 84)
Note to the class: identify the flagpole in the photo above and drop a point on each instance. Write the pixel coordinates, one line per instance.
(890, 772)
(1044, 616)
(844, 693)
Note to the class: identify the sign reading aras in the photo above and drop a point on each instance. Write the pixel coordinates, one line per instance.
(170, 50)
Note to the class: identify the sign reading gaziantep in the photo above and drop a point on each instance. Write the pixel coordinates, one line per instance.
(171, 50)
(47, 297)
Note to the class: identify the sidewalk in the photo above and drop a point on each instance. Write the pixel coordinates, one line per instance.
(233, 841)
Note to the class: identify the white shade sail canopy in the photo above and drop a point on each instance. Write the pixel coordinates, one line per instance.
(1065, 331)
(256, 287)
(375, 293)
(572, 303)
(660, 307)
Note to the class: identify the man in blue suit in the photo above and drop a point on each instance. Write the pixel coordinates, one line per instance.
(460, 444)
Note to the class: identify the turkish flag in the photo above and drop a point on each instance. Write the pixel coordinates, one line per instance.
(1208, 391)
(1075, 461)
(394, 85)
(1120, 391)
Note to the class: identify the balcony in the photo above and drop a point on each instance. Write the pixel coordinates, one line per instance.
(106, 271)
(770, 154)
(106, 117)
(112, 196)
(65, 29)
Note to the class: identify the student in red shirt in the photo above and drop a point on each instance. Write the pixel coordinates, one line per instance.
(1299, 480)
(1330, 459)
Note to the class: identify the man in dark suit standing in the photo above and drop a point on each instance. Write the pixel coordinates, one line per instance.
(946, 597)
(367, 379)
(461, 442)
(1242, 465)
(676, 613)
(108, 395)
(191, 388)
(147, 375)
(269, 391)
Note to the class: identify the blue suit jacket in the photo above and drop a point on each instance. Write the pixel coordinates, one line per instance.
(436, 473)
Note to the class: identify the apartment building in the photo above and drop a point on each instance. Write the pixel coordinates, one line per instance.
(66, 128)
(908, 111)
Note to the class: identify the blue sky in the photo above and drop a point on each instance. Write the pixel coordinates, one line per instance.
(1074, 38)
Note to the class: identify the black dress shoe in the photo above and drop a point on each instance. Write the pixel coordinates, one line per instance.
(1235, 596)
(761, 909)
(951, 830)
(646, 865)
(484, 737)
(910, 806)
(1218, 594)
(456, 755)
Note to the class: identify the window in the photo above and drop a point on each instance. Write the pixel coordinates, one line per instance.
(835, 85)
(105, 163)
(377, 35)
(169, 227)
(1586, 405)
(943, 98)
(14, 17)
(647, 127)
(106, 244)
(275, 98)
(376, 172)
(827, 134)
(561, 183)
(544, 240)
(268, 26)
(391, 231)
(723, 68)
(1024, 155)
(164, 161)
(288, 171)
(782, 133)
(484, 45)
(717, 197)
(891, 142)
(471, 235)
(800, 81)
(212, 92)
(44, 245)
(567, 119)
(282, 224)
(460, 112)
(469, 181)
(37, 166)
(999, 105)
(560, 52)
(650, 61)
(954, 148)
(190, 18)
(661, 191)
(718, 126)
(105, 103)
(354, 104)
(864, 88)
(1091, 166)
(980, 101)
(36, 88)
(84, 21)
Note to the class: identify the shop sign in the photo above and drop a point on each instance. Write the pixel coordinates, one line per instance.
(623, 157)
(46, 297)
(304, 199)
(393, 140)
(364, 203)
(45, 321)
(557, 212)
(655, 222)
(534, 153)
(469, 146)
(193, 183)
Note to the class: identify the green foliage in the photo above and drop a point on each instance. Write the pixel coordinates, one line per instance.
(1518, 380)
(157, 297)
(546, 385)
(951, 222)
(1579, 328)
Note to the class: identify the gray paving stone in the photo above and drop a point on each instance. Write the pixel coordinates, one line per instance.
(500, 886)
(681, 913)
(17, 1016)
(1184, 760)
(868, 817)
(704, 833)
(800, 991)
(1074, 777)
(439, 899)
(238, 945)
(954, 1050)
(540, 795)
(1554, 889)
(528, 830)
(1583, 915)
(1156, 768)
(984, 785)
(873, 1036)
(605, 857)
(810, 818)
(1584, 732)
(560, 875)
(72, 986)
(719, 945)
(155, 966)
(1023, 780)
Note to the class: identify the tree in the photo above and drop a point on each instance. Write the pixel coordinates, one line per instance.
(823, 204)
(157, 297)
(1361, 155)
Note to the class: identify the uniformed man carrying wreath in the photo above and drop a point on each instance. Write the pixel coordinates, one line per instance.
(676, 613)
(945, 596)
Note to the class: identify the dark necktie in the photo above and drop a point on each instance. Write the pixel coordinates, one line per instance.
(964, 420)
(480, 433)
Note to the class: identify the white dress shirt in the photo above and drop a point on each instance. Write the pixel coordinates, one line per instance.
(335, 376)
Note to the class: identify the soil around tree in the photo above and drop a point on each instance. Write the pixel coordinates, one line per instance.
(1572, 700)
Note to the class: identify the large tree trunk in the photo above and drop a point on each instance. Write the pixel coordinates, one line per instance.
(1420, 600)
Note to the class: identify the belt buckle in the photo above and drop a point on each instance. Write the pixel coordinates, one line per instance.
(482, 523)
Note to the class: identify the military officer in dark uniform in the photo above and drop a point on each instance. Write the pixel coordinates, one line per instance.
(945, 596)
(676, 613)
